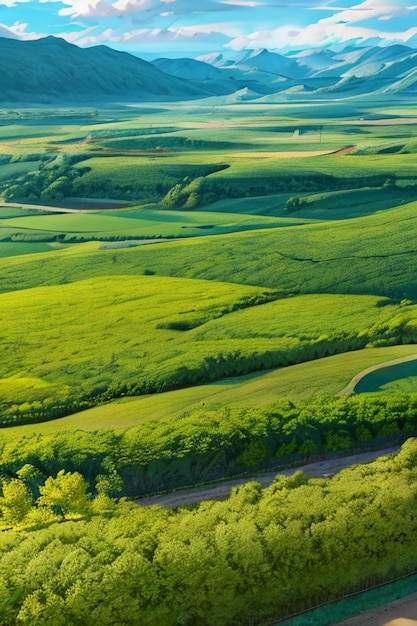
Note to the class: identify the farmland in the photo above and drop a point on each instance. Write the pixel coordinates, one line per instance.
(223, 272)
(320, 236)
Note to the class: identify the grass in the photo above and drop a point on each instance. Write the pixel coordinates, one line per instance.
(401, 377)
(125, 319)
(368, 255)
(12, 170)
(154, 333)
(307, 317)
(140, 223)
(17, 248)
(321, 377)
(324, 206)
(344, 166)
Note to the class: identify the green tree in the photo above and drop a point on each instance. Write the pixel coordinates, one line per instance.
(16, 501)
(67, 491)
(294, 204)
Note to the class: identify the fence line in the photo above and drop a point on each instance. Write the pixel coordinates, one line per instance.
(273, 620)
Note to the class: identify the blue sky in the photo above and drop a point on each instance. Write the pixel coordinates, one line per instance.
(152, 28)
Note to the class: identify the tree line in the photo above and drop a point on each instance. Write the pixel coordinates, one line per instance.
(258, 556)
(207, 444)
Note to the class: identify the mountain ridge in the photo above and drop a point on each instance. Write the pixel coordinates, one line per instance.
(51, 70)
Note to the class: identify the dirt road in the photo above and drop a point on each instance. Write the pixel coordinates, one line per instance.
(351, 386)
(38, 207)
(402, 612)
(221, 491)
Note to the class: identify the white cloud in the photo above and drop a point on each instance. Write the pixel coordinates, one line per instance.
(87, 8)
(144, 36)
(7, 32)
(137, 6)
(142, 10)
(372, 9)
(245, 3)
(343, 26)
(11, 3)
(316, 35)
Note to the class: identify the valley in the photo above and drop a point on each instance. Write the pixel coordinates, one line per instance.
(282, 265)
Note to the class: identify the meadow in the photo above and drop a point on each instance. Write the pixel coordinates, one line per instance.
(341, 233)
(320, 378)
(260, 258)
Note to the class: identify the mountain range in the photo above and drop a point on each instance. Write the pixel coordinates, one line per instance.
(53, 71)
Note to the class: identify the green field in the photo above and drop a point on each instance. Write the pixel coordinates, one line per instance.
(332, 205)
(212, 327)
(342, 272)
(367, 255)
(401, 377)
(322, 378)
(124, 225)
(152, 334)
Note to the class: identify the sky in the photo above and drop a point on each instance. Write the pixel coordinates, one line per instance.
(175, 28)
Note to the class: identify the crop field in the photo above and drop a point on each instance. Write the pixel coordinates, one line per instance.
(367, 255)
(190, 293)
(330, 205)
(315, 244)
(132, 224)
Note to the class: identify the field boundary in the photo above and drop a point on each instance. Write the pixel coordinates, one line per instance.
(349, 389)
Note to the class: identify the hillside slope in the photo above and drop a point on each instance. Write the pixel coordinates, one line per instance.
(50, 70)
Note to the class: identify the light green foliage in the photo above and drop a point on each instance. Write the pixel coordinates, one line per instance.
(67, 491)
(88, 324)
(256, 555)
(255, 453)
(15, 503)
(208, 444)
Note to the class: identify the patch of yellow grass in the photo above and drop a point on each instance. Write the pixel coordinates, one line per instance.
(282, 155)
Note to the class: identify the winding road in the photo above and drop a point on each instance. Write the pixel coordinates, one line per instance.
(319, 469)
(221, 491)
(38, 207)
(350, 388)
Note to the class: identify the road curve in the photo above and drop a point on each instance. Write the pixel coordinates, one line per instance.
(38, 207)
(351, 386)
(221, 491)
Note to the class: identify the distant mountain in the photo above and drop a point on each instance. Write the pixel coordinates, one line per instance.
(272, 63)
(315, 60)
(325, 73)
(52, 71)
(208, 77)
(376, 71)
(190, 69)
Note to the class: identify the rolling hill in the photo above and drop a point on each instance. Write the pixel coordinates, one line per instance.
(53, 71)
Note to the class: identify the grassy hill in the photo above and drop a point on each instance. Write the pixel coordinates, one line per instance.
(128, 368)
(368, 255)
(338, 284)
(153, 333)
(321, 377)
(130, 225)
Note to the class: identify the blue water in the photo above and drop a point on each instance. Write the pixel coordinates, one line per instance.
(401, 376)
